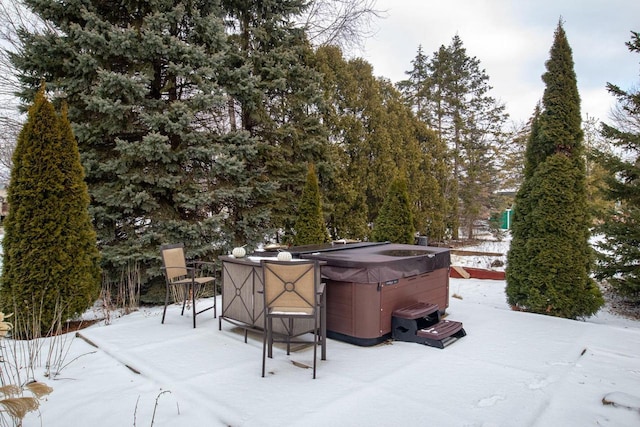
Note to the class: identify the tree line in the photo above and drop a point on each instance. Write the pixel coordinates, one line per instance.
(199, 122)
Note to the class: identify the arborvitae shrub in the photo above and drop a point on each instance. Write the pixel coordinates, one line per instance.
(310, 227)
(51, 265)
(550, 259)
(559, 258)
(395, 222)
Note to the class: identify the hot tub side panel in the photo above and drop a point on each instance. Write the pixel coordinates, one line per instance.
(432, 287)
(353, 309)
(361, 312)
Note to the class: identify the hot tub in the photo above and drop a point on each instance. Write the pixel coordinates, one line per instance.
(367, 282)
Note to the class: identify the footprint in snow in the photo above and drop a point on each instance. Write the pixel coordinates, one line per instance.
(538, 383)
(490, 401)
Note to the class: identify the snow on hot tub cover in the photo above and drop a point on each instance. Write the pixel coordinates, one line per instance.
(380, 263)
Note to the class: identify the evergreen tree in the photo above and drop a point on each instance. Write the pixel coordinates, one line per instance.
(550, 257)
(619, 251)
(419, 154)
(372, 152)
(344, 198)
(395, 222)
(352, 99)
(275, 93)
(422, 93)
(595, 142)
(373, 134)
(415, 89)
(429, 198)
(449, 93)
(310, 227)
(511, 169)
(51, 263)
(517, 273)
(189, 116)
(558, 281)
(142, 83)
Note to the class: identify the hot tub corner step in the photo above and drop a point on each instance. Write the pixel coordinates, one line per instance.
(407, 321)
(420, 322)
(442, 334)
(416, 310)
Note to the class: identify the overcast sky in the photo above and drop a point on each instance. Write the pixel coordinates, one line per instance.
(511, 39)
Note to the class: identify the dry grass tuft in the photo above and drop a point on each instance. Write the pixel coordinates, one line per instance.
(14, 404)
(10, 390)
(18, 407)
(38, 389)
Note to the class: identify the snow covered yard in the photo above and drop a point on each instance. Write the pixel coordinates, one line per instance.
(512, 369)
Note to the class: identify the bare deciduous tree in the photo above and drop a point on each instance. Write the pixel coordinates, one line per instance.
(342, 23)
(625, 114)
(9, 130)
(14, 15)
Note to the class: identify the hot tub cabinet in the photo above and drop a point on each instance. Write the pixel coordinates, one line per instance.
(365, 284)
(360, 313)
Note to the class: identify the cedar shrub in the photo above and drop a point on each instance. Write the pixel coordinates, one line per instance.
(51, 267)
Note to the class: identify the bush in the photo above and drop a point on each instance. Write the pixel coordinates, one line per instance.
(51, 265)
(310, 227)
(395, 222)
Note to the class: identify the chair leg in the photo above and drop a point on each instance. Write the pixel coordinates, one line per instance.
(269, 333)
(214, 308)
(315, 345)
(264, 345)
(166, 302)
(193, 304)
(289, 333)
(215, 299)
(184, 300)
(323, 326)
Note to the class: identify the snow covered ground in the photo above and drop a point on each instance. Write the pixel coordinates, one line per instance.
(512, 369)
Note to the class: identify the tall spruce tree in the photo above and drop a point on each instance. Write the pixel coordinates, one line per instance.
(618, 250)
(275, 95)
(142, 83)
(450, 93)
(51, 261)
(432, 214)
(423, 93)
(415, 89)
(310, 226)
(415, 151)
(550, 259)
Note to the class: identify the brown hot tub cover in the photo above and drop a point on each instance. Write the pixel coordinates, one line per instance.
(380, 263)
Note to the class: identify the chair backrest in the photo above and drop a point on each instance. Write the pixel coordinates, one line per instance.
(290, 285)
(173, 260)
